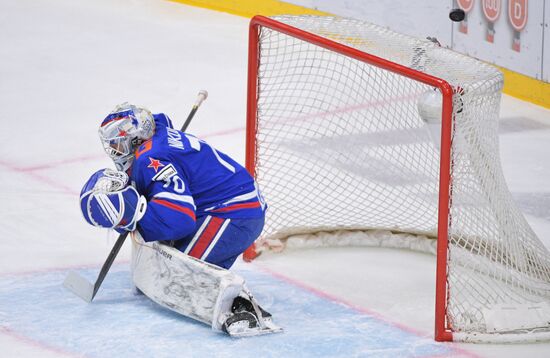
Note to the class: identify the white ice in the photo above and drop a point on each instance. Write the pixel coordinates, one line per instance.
(64, 64)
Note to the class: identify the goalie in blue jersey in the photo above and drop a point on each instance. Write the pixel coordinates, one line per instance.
(175, 188)
(183, 191)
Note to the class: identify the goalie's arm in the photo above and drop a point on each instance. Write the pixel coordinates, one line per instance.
(169, 215)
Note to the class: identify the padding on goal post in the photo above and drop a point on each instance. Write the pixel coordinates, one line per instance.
(353, 127)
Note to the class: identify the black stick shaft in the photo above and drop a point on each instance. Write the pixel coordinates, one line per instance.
(200, 98)
(189, 118)
(110, 259)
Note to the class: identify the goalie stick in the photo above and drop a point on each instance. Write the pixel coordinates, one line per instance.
(81, 286)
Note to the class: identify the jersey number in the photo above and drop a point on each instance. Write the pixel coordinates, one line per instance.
(179, 185)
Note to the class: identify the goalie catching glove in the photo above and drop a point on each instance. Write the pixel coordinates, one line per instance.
(106, 200)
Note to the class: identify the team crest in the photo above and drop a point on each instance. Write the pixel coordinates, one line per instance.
(155, 164)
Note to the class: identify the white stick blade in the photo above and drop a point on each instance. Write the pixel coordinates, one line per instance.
(79, 286)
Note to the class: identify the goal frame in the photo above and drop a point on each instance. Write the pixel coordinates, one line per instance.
(443, 331)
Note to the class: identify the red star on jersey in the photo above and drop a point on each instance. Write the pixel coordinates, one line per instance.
(155, 164)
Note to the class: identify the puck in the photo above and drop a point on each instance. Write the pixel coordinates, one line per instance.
(457, 15)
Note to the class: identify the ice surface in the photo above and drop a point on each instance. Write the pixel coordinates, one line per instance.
(123, 324)
(64, 65)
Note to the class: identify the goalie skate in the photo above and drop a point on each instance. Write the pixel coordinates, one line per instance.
(246, 324)
(241, 304)
(248, 320)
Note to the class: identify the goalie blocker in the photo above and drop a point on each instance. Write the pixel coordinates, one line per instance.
(197, 289)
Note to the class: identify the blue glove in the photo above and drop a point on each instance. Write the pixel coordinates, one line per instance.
(106, 200)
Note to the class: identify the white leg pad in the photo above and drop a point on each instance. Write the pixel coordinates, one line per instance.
(183, 284)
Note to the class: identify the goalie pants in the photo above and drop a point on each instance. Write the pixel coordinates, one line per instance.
(220, 240)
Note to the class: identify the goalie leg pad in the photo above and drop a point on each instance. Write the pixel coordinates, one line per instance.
(183, 284)
(197, 289)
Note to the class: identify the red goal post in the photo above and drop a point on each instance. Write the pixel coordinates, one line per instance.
(256, 23)
(304, 34)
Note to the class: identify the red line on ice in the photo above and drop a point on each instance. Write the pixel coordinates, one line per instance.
(39, 177)
(61, 162)
(37, 344)
(359, 309)
(307, 117)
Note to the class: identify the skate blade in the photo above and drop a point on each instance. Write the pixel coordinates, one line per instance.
(244, 331)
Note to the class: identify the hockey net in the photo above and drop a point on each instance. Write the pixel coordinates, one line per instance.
(352, 127)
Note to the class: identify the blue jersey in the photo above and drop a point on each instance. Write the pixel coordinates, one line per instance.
(184, 179)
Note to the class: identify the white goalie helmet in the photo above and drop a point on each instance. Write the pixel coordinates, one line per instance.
(123, 130)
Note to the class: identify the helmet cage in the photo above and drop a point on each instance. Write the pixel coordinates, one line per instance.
(124, 130)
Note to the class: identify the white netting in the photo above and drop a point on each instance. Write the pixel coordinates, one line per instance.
(341, 146)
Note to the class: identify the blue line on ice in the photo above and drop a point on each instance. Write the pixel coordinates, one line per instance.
(120, 323)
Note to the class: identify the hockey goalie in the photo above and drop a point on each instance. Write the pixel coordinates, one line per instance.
(192, 211)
